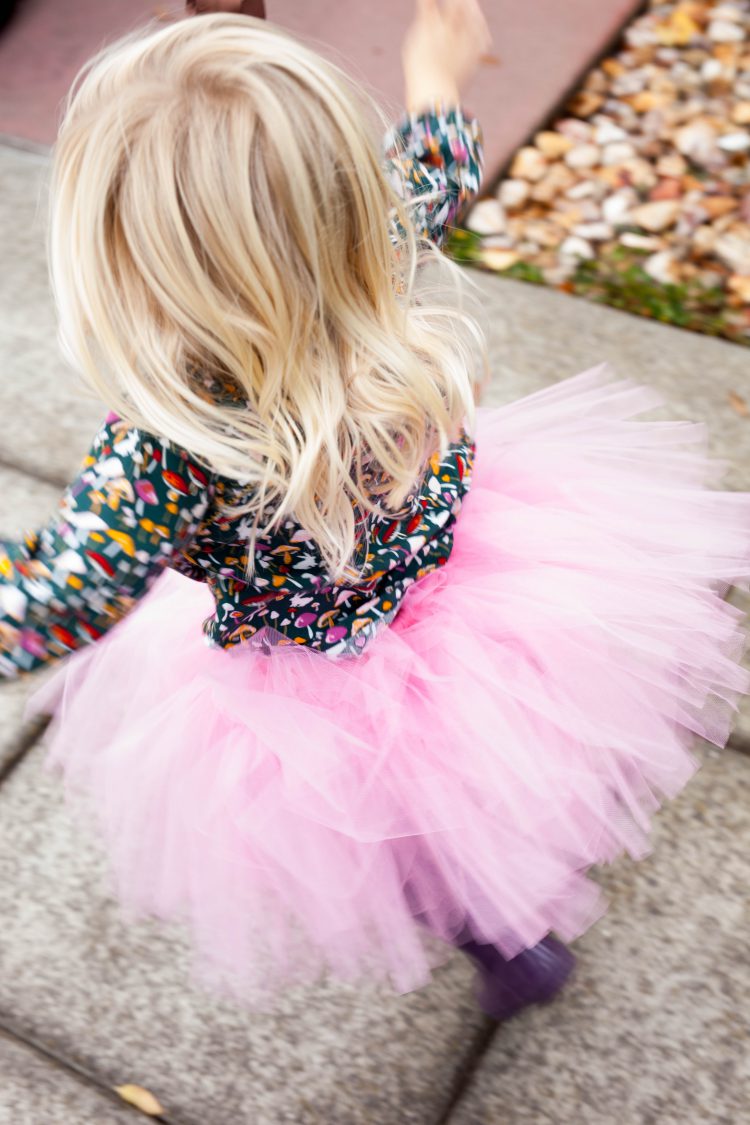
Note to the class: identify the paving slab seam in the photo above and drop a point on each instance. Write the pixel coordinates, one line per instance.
(56, 481)
(475, 1056)
(14, 1035)
(20, 747)
(740, 744)
(32, 148)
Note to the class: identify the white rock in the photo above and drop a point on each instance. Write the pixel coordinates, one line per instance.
(552, 183)
(574, 128)
(583, 156)
(498, 259)
(556, 275)
(574, 247)
(632, 82)
(740, 286)
(672, 165)
(654, 127)
(684, 76)
(486, 217)
(656, 216)
(593, 232)
(640, 241)
(662, 267)
(734, 142)
(739, 177)
(617, 206)
(590, 211)
(641, 172)
(725, 31)
(640, 35)
(703, 240)
(529, 164)
(741, 113)
(544, 233)
(608, 133)
(711, 69)
(727, 12)
(734, 251)
(696, 141)
(583, 190)
(551, 144)
(512, 194)
(618, 153)
(689, 222)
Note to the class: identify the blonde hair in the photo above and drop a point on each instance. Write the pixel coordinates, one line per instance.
(220, 219)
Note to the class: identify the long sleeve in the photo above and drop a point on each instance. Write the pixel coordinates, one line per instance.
(434, 160)
(135, 502)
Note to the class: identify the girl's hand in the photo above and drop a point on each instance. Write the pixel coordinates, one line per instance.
(442, 50)
(255, 8)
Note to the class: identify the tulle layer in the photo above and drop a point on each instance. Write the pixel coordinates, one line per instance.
(521, 720)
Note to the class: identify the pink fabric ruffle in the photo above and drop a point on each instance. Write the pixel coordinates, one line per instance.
(521, 720)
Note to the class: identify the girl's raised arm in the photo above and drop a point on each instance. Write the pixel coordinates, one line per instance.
(434, 154)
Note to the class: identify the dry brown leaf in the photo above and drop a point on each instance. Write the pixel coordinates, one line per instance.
(738, 403)
(142, 1099)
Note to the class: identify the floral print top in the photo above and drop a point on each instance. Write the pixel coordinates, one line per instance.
(139, 504)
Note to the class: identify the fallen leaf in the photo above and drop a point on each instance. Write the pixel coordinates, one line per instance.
(142, 1099)
(738, 403)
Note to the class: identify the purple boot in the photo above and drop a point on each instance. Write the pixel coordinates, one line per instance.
(533, 976)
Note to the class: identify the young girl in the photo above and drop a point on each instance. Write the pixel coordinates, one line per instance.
(371, 692)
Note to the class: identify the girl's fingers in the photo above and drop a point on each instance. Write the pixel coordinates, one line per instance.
(467, 15)
(473, 9)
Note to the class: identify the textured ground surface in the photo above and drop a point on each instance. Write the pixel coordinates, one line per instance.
(652, 1029)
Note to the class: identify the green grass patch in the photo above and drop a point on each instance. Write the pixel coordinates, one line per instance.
(619, 280)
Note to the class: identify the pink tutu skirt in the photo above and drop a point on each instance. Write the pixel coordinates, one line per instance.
(521, 719)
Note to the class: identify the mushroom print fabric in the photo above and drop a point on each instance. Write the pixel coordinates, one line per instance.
(434, 160)
(135, 503)
(139, 504)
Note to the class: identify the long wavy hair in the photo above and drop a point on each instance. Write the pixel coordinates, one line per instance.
(235, 272)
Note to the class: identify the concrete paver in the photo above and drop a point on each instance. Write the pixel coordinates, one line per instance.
(655, 1025)
(34, 1091)
(117, 999)
(48, 418)
(538, 336)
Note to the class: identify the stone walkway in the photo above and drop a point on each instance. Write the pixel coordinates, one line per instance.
(654, 1027)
